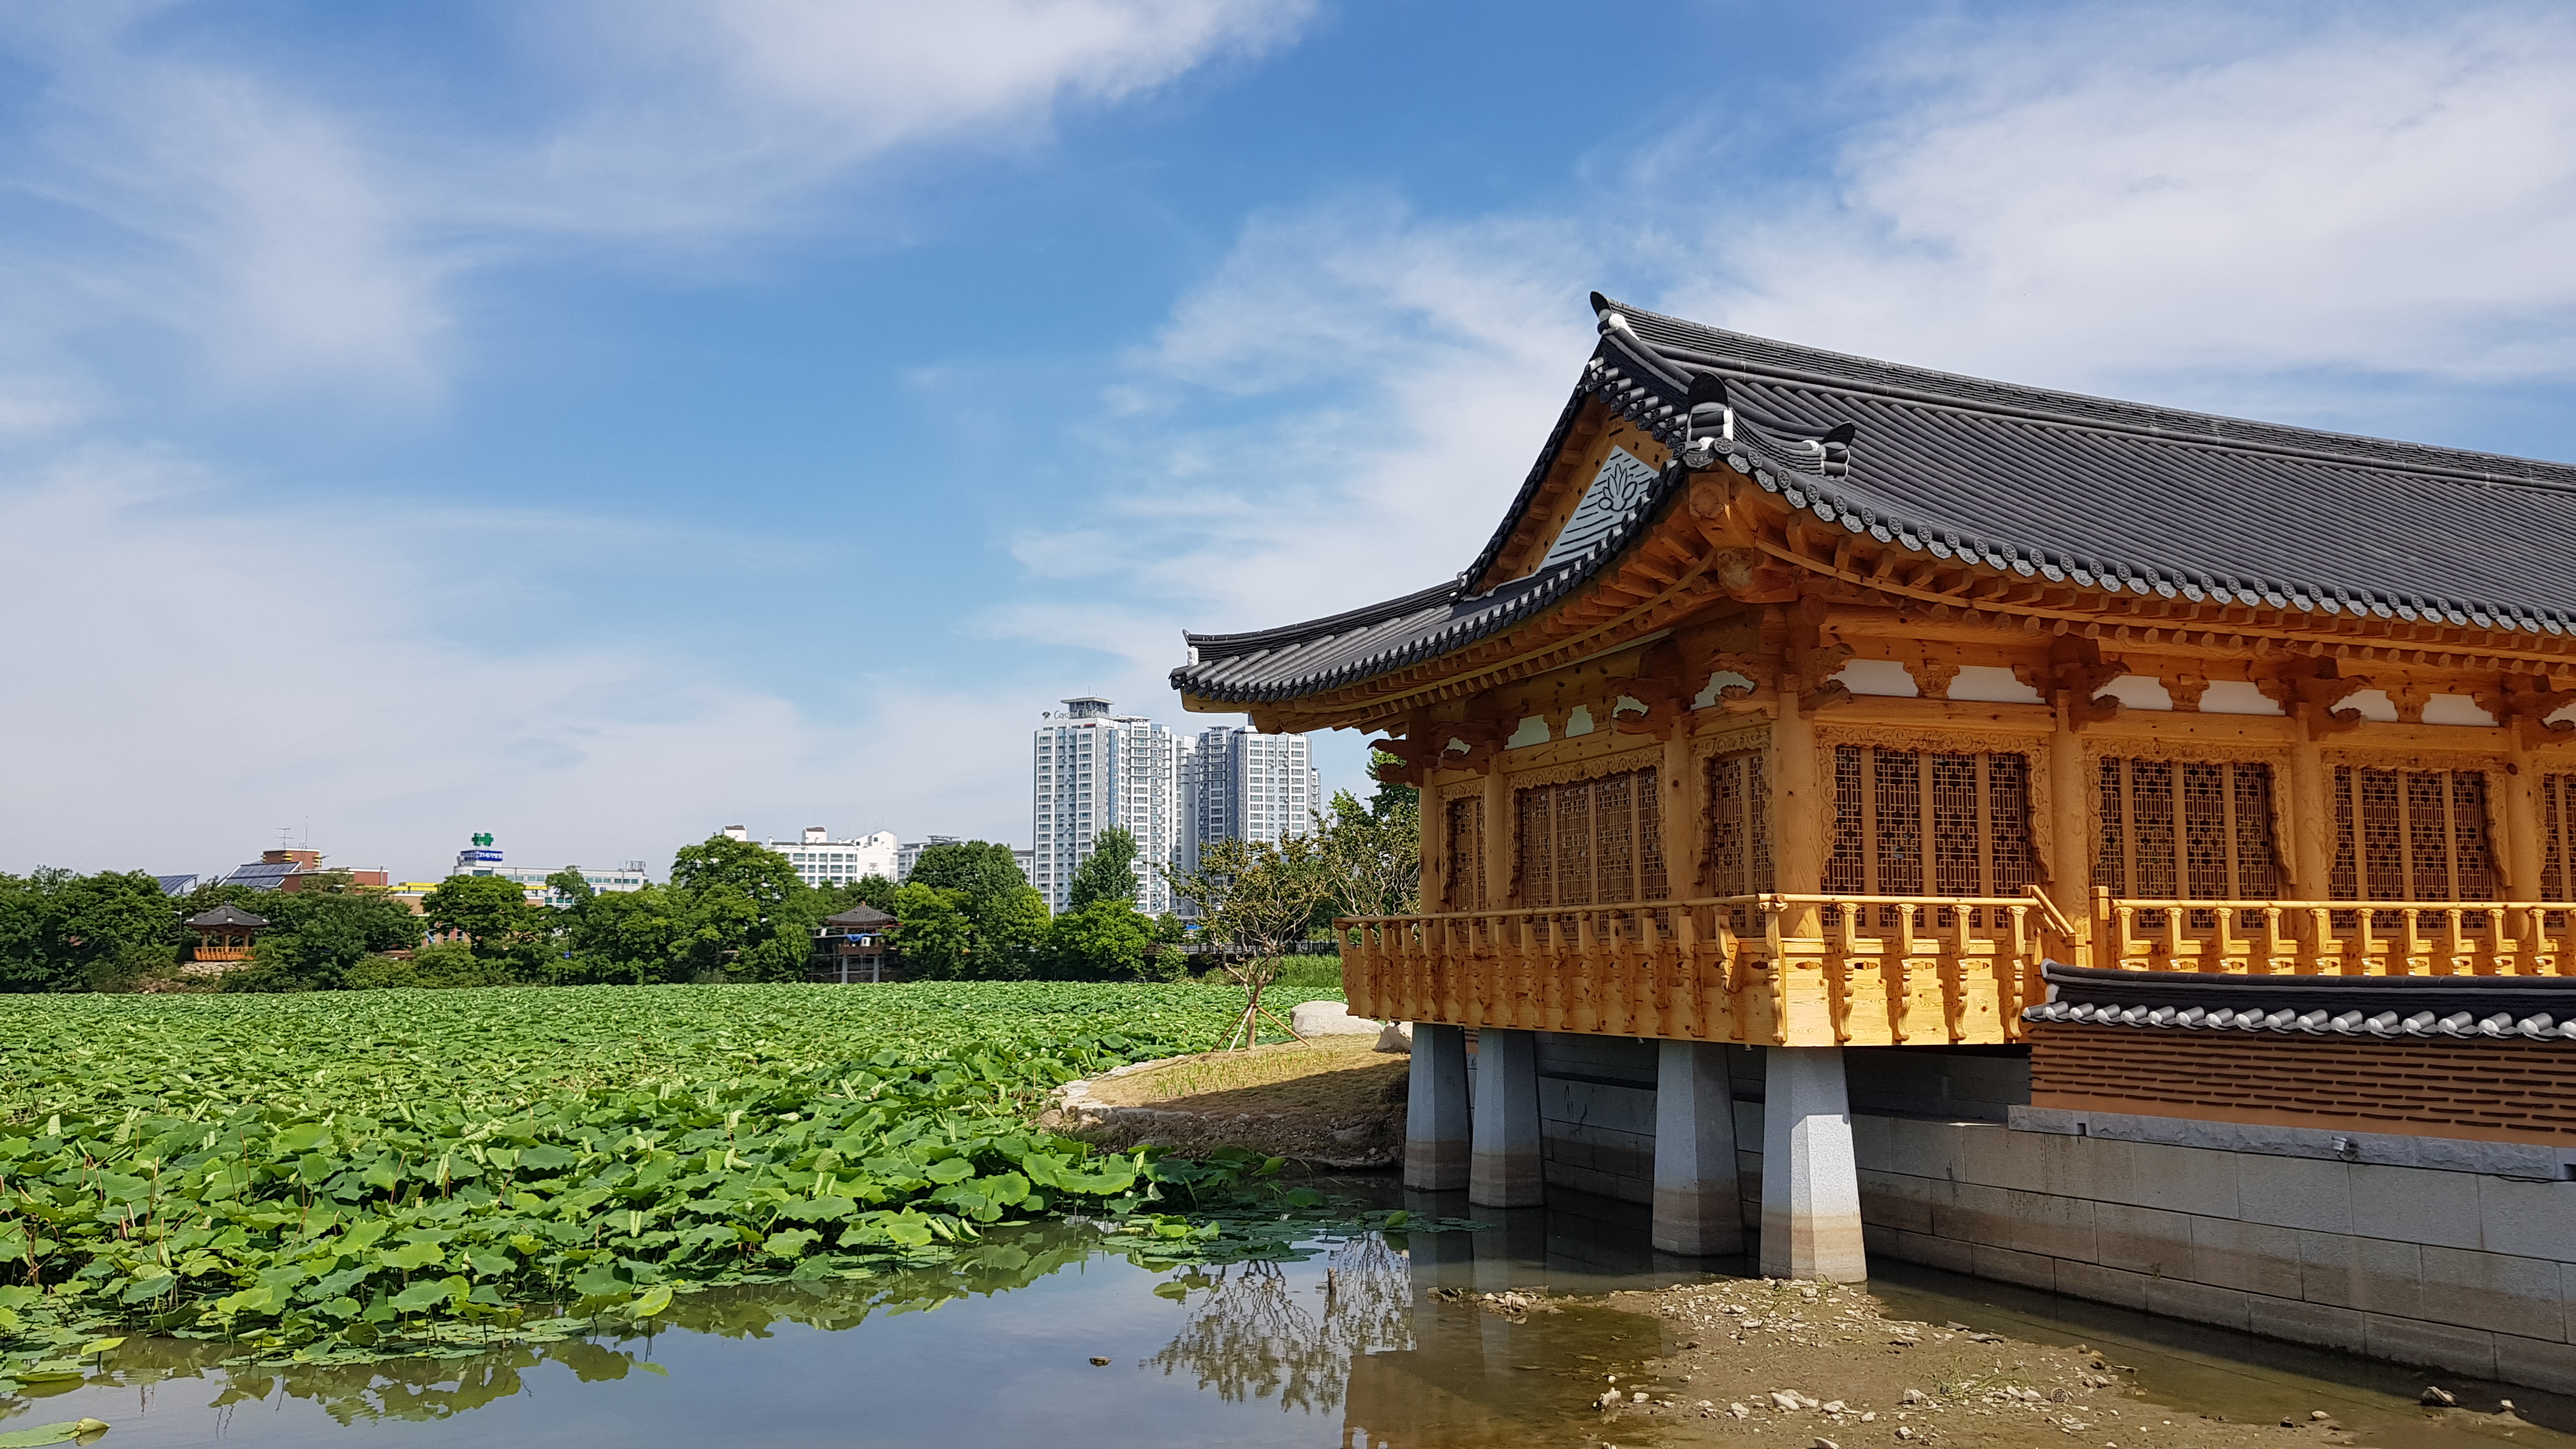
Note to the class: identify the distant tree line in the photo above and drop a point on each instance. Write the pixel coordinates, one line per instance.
(732, 911)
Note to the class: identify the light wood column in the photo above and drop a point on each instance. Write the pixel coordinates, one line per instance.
(1431, 826)
(1685, 817)
(2070, 832)
(2521, 814)
(2308, 815)
(1802, 817)
(1498, 838)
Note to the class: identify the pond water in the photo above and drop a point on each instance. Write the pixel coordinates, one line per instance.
(1352, 1346)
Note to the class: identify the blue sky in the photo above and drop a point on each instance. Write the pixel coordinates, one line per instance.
(595, 423)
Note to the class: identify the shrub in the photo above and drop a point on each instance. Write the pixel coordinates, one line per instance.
(441, 964)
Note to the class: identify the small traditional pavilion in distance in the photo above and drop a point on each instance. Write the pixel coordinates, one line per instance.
(2201, 771)
(224, 934)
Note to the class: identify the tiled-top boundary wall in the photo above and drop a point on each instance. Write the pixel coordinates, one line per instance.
(2498, 1090)
(2456, 1254)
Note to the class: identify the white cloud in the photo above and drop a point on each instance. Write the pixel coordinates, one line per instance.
(301, 231)
(1425, 364)
(2191, 198)
(192, 672)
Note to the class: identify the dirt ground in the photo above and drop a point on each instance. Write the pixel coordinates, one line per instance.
(1330, 1102)
(1804, 1364)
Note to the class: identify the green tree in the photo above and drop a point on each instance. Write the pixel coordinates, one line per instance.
(976, 868)
(933, 932)
(488, 911)
(632, 937)
(59, 929)
(317, 934)
(1107, 873)
(1104, 941)
(743, 912)
(573, 886)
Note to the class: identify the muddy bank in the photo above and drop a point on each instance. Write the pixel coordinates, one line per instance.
(1801, 1364)
(1333, 1103)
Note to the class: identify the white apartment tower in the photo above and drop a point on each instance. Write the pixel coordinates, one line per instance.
(1094, 770)
(1244, 785)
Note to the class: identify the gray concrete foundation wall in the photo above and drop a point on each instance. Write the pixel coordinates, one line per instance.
(2452, 1254)
(2449, 1266)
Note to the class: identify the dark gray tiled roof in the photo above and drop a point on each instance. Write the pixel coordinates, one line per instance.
(2537, 1008)
(2107, 494)
(227, 914)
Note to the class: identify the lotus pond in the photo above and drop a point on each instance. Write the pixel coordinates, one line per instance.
(349, 1176)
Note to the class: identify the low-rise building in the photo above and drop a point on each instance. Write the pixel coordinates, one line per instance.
(283, 870)
(481, 858)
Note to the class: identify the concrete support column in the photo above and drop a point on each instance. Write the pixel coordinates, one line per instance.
(1507, 1171)
(1697, 1209)
(1435, 1116)
(1810, 1182)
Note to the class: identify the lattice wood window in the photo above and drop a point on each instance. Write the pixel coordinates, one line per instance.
(2411, 835)
(1592, 842)
(1739, 826)
(2558, 837)
(1912, 824)
(1465, 886)
(2187, 830)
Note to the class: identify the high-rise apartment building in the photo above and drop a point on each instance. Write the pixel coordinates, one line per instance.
(1093, 770)
(1240, 784)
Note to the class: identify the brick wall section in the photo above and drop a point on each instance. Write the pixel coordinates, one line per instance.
(2495, 1091)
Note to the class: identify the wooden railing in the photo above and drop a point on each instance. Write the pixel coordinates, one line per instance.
(1827, 970)
(2337, 938)
(1794, 970)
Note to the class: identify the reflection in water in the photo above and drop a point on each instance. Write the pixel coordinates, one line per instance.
(1249, 1335)
(439, 1388)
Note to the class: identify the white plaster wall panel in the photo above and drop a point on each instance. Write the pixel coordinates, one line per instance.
(2372, 704)
(2456, 709)
(2237, 696)
(1992, 684)
(1880, 677)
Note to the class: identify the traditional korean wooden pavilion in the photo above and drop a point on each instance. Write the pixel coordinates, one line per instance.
(1802, 701)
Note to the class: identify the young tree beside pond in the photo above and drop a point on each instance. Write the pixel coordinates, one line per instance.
(1258, 895)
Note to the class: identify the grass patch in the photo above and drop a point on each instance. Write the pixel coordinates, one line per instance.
(1328, 1074)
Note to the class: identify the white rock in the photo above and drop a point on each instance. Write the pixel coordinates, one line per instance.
(1329, 1018)
(1396, 1037)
